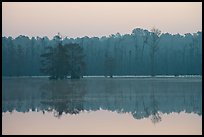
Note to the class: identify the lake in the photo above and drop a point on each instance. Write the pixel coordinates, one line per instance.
(97, 105)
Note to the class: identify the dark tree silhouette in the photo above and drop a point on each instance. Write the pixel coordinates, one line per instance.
(61, 60)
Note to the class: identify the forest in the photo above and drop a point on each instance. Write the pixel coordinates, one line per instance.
(142, 52)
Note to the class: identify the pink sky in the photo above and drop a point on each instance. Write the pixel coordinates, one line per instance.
(98, 19)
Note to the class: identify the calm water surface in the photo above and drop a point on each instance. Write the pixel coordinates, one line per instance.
(102, 106)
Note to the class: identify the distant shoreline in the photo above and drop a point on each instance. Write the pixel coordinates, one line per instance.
(116, 76)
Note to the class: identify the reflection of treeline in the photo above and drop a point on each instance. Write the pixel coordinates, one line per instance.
(122, 96)
(139, 53)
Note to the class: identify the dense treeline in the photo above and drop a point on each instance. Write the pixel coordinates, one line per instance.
(142, 52)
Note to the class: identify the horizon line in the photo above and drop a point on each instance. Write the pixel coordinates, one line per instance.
(64, 36)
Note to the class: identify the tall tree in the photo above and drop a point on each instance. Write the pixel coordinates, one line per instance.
(154, 46)
(20, 60)
(55, 61)
(109, 65)
(76, 60)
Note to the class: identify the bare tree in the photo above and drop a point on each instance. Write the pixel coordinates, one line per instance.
(153, 42)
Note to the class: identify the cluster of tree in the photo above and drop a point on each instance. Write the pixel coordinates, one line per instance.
(63, 60)
(142, 52)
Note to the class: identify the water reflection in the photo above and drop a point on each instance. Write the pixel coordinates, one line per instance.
(142, 97)
(63, 96)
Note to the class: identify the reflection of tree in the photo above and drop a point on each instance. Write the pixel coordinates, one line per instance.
(155, 115)
(145, 108)
(64, 96)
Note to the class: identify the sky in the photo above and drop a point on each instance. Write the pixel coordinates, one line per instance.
(98, 18)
